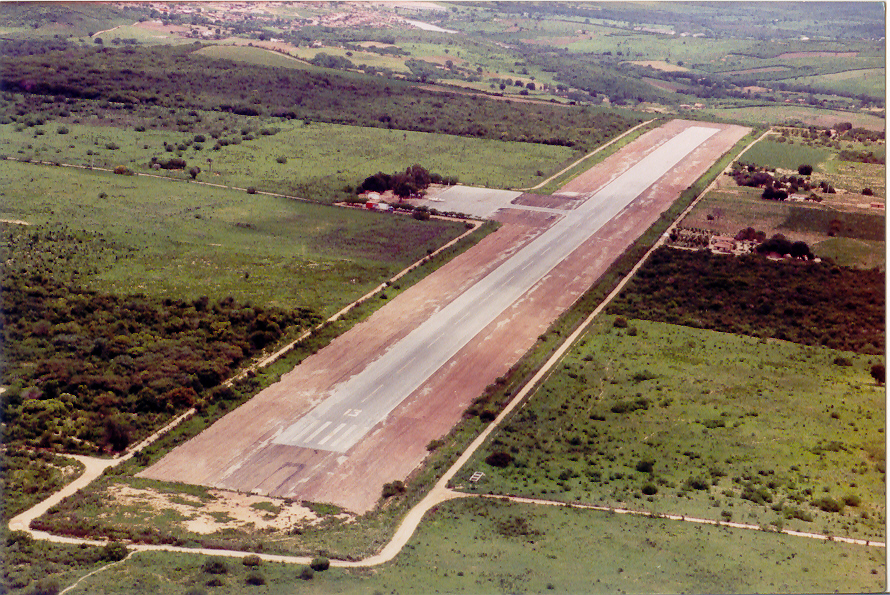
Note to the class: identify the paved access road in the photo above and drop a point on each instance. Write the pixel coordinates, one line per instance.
(358, 404)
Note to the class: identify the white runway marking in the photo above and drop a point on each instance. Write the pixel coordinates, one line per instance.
(439, 338)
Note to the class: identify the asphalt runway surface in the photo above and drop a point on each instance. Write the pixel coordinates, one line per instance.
(356, 405)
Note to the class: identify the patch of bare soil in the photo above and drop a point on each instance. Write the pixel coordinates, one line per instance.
(226, 510)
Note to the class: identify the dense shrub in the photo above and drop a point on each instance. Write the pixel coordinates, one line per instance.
(215, 566)
(112, 363)
(827, 504)
(812, 304)
(255, 577)
(499, 459)
(393, 488)
(251, 560)
(306, 573)
(320, 564)
(115, 551)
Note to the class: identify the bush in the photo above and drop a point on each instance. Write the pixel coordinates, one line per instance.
(46, 586)
(499, 459)
(865, 191)
(805, 170)
(320, 564)
(281, 159)
(620, 322)
(650, 489)
(393, 488)
(645, 466)
(696, 483)
(256, 578)
(115, 551)
(306, 573)
(215, 566)
(251, 190)
(827, 504)
(122, 171)
(852, 500)
(251, 560)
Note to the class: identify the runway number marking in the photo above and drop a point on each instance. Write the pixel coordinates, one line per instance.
(353, 412)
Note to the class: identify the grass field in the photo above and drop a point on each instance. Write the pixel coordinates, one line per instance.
(796, 115)
(769, 153)
(483, 546)
(314, 161)
(254, 55)
(182, 239)
(670, 419)
(868, 81)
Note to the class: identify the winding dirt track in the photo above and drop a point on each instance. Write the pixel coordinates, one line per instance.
(239, 452)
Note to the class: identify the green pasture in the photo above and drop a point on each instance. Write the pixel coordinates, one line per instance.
(395, 63)
(254, 55)
(318, 159)
(796, 114)
(670, 419)
(141, 34)
(732, 209)
(332, 156)
(772, 154)
(853, 177)
(852, 252)
(482, 546)
(182, 239)
(867, 81)
(701, 53)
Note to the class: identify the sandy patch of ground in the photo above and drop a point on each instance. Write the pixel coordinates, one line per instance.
(226, 510)
(14, 222)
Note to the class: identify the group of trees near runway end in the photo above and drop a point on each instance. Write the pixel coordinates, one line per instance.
(179, 77)
(803, 302)
(404, 184)
(89, 371)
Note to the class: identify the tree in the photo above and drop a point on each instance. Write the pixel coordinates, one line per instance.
(878, 373)
(194, 171)
(800, 250)
(805, 170)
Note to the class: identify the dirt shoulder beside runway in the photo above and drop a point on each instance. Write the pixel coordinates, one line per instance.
(236, 453)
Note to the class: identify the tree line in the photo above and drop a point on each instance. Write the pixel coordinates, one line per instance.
(178, 77)
(807, 303)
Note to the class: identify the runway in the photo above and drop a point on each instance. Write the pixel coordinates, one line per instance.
(358, 404)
